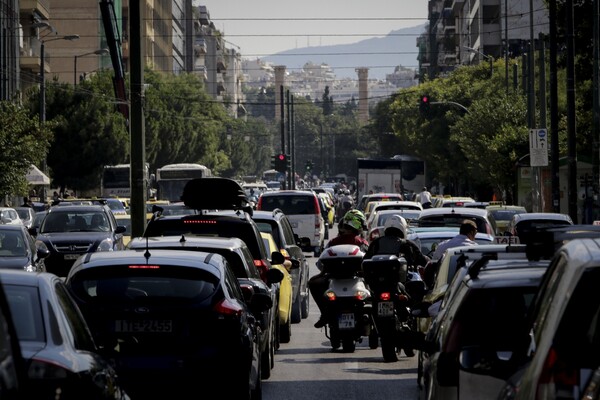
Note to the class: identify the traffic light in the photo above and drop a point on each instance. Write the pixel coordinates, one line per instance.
(309, 166)
(281, 162)
(424, 105)
(274, 162)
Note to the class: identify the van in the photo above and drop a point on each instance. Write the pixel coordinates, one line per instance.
(304, 213)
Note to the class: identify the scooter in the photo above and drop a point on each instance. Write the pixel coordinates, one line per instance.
(392, 286)
(348, 309)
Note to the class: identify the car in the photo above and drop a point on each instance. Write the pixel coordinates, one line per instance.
(278, 224)
(13, 371)
(125, 220)
(70, 231)
(62, 358)
(27, 215)
(503, 213)
(487, 314)
(20, 250)
(304, 212)
(563, 341)
(172, 318)
(429, 240)
(328, 209)
(115, 205)
(378, 218)
(39, 217)
(374, 206)
(525, 225)
(238, 255)
(455, 201)
(9, 216)
(367, 198)
(284, 303)
(453, 217)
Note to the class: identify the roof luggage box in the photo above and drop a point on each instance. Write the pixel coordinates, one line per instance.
(215, 194)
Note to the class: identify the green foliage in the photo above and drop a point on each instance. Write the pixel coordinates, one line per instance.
(23, 143)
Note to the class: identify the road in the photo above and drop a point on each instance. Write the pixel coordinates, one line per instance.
(306, 368)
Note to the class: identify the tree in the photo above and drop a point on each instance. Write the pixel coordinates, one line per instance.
(24, 142)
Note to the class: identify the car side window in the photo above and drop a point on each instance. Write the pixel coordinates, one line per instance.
(82, 338)
(252, 270)
(233, 284)
(288, 231)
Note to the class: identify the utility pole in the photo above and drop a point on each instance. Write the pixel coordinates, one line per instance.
(571, 131)
(554, 109)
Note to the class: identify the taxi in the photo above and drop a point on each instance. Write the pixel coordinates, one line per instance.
(285, 289)
(503, 213)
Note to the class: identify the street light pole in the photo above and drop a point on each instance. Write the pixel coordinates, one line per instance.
(485, 56)
(98, 52)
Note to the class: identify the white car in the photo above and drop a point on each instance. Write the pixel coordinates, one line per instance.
(9, 215)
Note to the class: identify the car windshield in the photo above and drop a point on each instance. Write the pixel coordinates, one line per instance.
(75, 221)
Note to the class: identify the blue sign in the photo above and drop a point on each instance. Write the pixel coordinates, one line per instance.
(542, 133)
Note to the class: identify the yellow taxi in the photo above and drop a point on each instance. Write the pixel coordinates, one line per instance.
(285, 290)
(503, 213)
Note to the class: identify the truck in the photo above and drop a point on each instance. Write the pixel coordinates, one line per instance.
(399, 174)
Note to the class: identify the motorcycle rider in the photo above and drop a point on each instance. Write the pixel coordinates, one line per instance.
(394, 242)
(350, 228)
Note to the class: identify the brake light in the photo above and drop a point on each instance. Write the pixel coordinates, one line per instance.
(259, 204)
(555, 376)
(262, 269)
(144, 267)
(361, 295)
(200, 221)
(227, 307)
(329, 295)
(385, 296)
(402, 297)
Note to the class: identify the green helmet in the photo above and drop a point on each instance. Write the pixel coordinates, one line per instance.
(355, 220)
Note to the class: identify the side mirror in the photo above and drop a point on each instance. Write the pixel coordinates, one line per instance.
(274, 276)
(277, 258)
(485, 361)
(260, 302)
(120, 229)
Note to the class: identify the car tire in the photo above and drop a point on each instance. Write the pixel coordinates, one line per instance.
(285, 332)
(266, 361)
(297, 310)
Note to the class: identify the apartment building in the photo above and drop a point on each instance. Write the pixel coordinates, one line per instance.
(463, 32)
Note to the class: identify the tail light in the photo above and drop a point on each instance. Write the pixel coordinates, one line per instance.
(555, 376)
(262, 269)
(318, 212)
(329, 295)
(259, 204)
(402, 297)
(361, 295)
(385, 296)
(227, 307)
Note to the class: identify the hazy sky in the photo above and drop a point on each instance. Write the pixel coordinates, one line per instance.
(263, 27)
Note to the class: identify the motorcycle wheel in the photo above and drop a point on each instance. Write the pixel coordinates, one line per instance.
(388, 349)
(348, 345)
(373, 340)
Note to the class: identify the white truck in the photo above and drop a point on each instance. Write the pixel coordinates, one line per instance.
(399, 174)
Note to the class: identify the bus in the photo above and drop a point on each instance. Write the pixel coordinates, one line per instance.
(115, 180)
(171, 179)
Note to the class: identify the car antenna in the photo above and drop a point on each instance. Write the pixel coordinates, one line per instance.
(147, 252)
(182, 239)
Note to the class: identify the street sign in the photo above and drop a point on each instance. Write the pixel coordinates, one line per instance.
(538, 147)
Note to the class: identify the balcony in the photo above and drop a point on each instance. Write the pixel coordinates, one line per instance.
(204, 16)
(31, 7)
(221, 65)
(200, 45)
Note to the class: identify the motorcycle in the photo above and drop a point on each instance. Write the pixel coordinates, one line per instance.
(348, 301)
(394, 290)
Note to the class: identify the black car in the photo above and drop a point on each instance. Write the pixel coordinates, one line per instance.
(276, 223)
(13, 375)
(61, 357)
(237, 254)
(70, 231)
(171, 319)
(19, 250)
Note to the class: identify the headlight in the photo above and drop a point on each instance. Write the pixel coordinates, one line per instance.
(106, 245)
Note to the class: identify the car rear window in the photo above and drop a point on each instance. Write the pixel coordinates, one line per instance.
(143, 282)
(453, 221)
(24, 306)
(290, 205)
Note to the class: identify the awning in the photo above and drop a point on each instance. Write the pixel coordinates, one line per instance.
(36, 177)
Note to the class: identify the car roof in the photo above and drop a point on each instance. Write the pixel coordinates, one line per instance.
(80, 208)
(195, 240)
(290, 193)
(467, 211)
(192, 259)
(505, 207)
(446, 235)
(542, 216)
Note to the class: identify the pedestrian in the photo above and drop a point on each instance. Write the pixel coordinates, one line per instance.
(27, 202)
(424, 198)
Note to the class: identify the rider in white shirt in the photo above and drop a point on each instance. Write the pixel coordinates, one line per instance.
(425, 198)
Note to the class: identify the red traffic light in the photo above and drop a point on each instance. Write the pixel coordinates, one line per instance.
(425, 99)
(281, 157)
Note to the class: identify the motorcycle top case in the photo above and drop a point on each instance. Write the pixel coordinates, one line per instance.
(342, 261)
(385, 268)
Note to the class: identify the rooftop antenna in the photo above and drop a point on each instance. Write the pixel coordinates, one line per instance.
(147, 252)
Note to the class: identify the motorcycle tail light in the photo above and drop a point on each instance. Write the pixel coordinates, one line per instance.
(402, 297)
(329, 295)
(385, 296)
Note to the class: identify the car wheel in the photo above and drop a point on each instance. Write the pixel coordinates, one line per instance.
(297, 310)
(305, 306)
(266, 360)
(285, 332)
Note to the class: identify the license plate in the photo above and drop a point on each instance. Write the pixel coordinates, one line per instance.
(346, 321)
(143, 325)
(72, 256)
(385, 309)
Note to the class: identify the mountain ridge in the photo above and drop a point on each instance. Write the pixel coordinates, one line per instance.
(380, 55)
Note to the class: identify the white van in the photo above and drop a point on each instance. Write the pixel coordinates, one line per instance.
(303, 210)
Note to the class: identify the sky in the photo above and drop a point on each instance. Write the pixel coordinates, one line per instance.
(258, 28)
